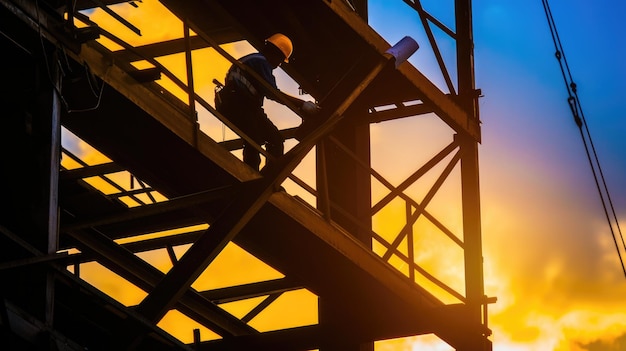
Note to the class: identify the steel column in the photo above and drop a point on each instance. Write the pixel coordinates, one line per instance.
(467, 99)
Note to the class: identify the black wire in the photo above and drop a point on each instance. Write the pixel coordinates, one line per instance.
(56, 86)
(593, 148)
(575, 106)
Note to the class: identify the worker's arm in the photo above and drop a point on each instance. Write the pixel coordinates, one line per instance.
(304, 107)
(266, 82)
(307, 107)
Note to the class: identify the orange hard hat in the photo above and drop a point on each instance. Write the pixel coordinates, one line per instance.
(283, 43)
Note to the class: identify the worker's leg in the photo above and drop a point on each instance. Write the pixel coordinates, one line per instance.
(273, 138)
(245, 116)
(255, 126)
(251, 156)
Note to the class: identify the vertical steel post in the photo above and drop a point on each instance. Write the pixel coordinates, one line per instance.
(467, 99)
(54, 159)
(191, 93)
(47, 134)
(348, 186)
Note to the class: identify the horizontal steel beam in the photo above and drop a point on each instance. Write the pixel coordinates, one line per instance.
(182, 202)
(90, 171)
(33, 260)
(176, 46)
(247, 291)
(399, 112)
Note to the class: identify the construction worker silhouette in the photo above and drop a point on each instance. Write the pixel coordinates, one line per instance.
(241, 99)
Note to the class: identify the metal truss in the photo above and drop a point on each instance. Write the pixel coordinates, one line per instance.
(238, 204)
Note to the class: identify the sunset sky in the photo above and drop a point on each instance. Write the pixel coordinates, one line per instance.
(549, 255)
(548, 249)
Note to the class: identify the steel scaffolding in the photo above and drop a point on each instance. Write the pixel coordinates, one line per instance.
(71, 77)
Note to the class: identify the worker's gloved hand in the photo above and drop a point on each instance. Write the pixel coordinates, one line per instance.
(310, 108)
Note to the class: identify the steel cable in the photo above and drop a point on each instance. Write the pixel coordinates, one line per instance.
(579, 118)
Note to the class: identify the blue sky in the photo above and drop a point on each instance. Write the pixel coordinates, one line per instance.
(549, 254)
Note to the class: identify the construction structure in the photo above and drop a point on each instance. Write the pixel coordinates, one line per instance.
(66, 73)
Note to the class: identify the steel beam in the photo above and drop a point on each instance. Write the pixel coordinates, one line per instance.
(90, 171)
(146, 277)
(176, 46)
(33, 260)
(247, 291)
(188, 201)
(399, 112)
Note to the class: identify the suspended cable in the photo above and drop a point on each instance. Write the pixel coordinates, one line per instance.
(579, 118)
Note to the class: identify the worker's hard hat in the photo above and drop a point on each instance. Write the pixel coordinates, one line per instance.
(283, 43)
